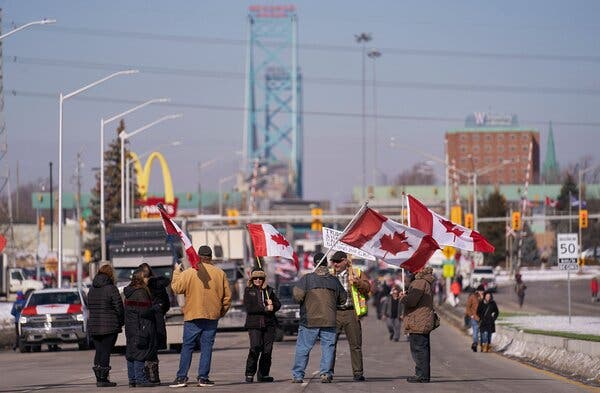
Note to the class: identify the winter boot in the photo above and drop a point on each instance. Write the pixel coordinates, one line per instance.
(102, 377)
(474, 347)
(485, 347)
(152, 371)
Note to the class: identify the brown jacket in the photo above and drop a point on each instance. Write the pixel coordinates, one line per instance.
(471, 308)
(207, 293)
(418, 304)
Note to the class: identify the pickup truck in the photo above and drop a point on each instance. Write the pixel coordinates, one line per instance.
(53, 316)
(485, 276)
(288, 315)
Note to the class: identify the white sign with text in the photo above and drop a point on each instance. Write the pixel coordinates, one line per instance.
(330, 235)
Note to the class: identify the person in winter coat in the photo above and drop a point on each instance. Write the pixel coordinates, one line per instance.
(419, 322)
(162, 304)
(105, 320)
(17, 307)
(393, 312)
(594, 288)
(487, 312)
(520, 288)
(140, 329)
(473, 302)
(261, 303)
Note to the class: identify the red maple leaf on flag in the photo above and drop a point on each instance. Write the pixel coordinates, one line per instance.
(394, 243)
(279, 239)
(452, 228)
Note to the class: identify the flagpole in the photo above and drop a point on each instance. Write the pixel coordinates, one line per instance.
(362, 208)
(402, 208)
(403, 288)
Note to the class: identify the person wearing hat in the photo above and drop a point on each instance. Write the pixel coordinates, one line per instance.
(357, 285)
(471, 314)
(207, 299)
(261, 304)
(419, 322)
(17, 307)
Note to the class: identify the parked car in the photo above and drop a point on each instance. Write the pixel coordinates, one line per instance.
(288, 315)
(591, 254)
(53, 317)
(483, 275)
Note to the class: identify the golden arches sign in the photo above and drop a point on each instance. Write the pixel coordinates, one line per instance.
(143, 175)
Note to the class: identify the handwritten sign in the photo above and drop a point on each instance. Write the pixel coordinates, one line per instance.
(330, 235)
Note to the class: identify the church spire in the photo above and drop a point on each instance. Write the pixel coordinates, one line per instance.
(550, 169)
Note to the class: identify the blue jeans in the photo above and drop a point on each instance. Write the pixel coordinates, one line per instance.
(486, 337)
(307, 337)
(475, 327)
(135, 371)
(202, 332)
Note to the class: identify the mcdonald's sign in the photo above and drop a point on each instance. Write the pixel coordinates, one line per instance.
(149, 209)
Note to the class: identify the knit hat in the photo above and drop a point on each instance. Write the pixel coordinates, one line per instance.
(205, 251)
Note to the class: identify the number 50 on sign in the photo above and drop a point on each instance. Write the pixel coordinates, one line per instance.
(566, 244)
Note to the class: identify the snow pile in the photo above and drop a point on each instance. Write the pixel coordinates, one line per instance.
(552, 274)
(6, 319)
(555, 323)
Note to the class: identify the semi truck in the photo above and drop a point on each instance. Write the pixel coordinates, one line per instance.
(12, 280)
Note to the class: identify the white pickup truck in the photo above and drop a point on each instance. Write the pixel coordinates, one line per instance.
(485, 276)
(13, 280)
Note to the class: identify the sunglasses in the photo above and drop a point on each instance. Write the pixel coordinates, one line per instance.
(259, 278)
(338, 261)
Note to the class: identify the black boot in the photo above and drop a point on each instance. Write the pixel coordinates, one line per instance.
(474, 347)
(102, 377)
(152, 371)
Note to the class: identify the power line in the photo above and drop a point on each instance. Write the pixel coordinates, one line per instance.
(228, 108)
(436, 86)
(328, 47)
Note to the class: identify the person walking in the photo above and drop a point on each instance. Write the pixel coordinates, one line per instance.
(15, 311)
(319, 293)
(207, 299)
(594, 288)
(419, 322)
(162, 304)
(393, 311)
(140, 329)
(455, 288)
(520, 288)
(357, 286)
(488, 313)
(261, 304)
(471, 314)
(105, 320)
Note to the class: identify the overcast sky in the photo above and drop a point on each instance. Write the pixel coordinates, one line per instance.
(442, 60)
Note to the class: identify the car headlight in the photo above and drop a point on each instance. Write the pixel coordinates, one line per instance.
(79, 317)
(22, 319)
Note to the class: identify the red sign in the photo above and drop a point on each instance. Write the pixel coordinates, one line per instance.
(2, 242)
(149, 209)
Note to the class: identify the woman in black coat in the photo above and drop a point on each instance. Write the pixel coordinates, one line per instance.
(105, 321)
(261, 304)
(140, 329)
(161, 304)
(488, 313)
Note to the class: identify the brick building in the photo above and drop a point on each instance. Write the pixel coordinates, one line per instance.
(486, 141)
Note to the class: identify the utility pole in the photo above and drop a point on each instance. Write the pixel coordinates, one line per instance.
(51, 212)
(79, 229)
(363, 38)
(17, 193)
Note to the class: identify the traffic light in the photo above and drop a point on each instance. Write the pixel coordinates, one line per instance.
(469, 220)
(516, 221)
(583, 218)
(41, 223)
(232, 213)
(317, 216)
(456, 214)
(87, 255)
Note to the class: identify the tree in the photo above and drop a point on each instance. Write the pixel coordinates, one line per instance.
(568, 187)
(494, 232)
(530, 255)
(112, 194)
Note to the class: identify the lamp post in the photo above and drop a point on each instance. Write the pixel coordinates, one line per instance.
(363, 38)
(123, 136)
(129, 183)
(61, 99)
(475, 174)
(26, 25)
(103, 123)
(375, 54)
(221, 181)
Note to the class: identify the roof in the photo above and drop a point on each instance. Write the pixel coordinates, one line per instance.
(55, 290)
(492, 129)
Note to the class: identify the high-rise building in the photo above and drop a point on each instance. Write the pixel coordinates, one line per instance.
(487, 141)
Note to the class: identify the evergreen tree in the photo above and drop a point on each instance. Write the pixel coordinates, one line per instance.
(568, 186)
(112, 194)
(530, 256)
(494, 232)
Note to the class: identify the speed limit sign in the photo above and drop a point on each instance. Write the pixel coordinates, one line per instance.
(567, 250)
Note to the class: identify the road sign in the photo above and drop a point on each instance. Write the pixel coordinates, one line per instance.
(567, 250)
(570, 265)
(2, 242)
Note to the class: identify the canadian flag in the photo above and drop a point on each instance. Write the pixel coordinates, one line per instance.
(444, 231)
(393, 242)
(268, 242)
(173, 229)
(551, 202)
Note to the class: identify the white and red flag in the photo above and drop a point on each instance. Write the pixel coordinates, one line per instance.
(551, 202)
(173, 229)
(444, 231)
(393, 242)
(268, 242)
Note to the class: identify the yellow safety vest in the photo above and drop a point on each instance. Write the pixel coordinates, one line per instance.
(359, 300)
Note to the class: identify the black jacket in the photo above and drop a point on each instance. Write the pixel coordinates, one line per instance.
(105, 307)
(256, 315)
(140, 324)
(487, 312)
(161, 304)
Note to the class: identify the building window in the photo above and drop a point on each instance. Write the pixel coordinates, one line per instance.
(476, 149)
(500, 149)
(488, 160)
(512, 148)
(488, 138)
(475, 137)
(525, 148)
(475, 160)
(513, 137)
(500, 137)
(487, 148)
(463, 138)
(525, 137)
(463, 148)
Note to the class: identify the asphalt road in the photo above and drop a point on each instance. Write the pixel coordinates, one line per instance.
(387, 364)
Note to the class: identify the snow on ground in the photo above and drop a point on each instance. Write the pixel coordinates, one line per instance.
(5, 318)
(555, 323)
(550, 274)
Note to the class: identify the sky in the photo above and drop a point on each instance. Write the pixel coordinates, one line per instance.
(441, 61)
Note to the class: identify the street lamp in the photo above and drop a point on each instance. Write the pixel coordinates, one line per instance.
(375, 54)
(221, 181)
(129, 183)
(37, 22)
(61, 99)
(363, 38)
(481, 172)
(123, 136)
(102, 124)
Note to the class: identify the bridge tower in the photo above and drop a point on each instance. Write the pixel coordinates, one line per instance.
(273, 102)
